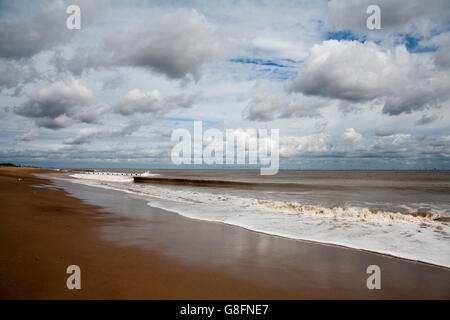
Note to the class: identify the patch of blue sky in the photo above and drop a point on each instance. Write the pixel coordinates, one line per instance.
(412, 43)
(272, 74)
(270, 69)
(344, 35)
(261, 62)
(437, 132)
(282, 75)
(190, 120)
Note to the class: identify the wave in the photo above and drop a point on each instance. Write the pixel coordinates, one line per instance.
(349, 212)
(256, 185)
(225, 183)
(355, 212)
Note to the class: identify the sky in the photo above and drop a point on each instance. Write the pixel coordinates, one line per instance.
(111, 93)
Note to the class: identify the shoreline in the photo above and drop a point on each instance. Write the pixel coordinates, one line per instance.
(36, 268)
(244, 277)
(338, 245)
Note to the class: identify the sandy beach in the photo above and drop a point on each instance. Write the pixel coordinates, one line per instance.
(44, 230)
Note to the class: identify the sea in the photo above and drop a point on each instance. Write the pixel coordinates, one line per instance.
(405, 214)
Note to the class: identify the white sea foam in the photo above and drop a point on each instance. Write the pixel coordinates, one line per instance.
(349, 212)
(102, 177)
(149, 174)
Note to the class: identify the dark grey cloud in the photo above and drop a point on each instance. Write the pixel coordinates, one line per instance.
(384, 132)
(88, 135)
(83, 59)
(52, 106)
(441, 41)
(136, 101)
(394, 14)
(135, 122)
(59, 122)
(265, 107)
(9, 75)
(309, 108)
(183, 101)
(90, 117)
(114, 83)
(43, 29)
(178, 45)
(84, 136)
(426, 119)
(3, 111)
(30, 135)
(430, 95)
(14, 74)
(442, 58)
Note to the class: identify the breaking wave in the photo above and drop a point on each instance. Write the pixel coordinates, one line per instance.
(348, 212)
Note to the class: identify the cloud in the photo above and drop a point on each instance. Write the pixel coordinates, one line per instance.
(421, 96)
(358, 72)
(293, 145)
(14, 74)
(441, 41)
(178, 45)
(136, 101)
(82, 137)
(113, 83)
(3, 112)
(351, 70)
(30, 135)
(308, 108)
(134, 124)
(384, 132)
(322, 145)
(394, 14)
(41, 31)
(86, 135)
(263, 107)
(9, 75)
(266, 107)
(182, 100)
(78, 155)
(396, 148)
(90, 117)
(59, 122)
(343, 108)
(352, 135)
(426, 119)
(52, 106)
(44, 29)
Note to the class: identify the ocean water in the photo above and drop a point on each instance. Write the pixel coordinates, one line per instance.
(401, 213)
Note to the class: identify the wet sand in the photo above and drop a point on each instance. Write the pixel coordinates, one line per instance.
(160, 255)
